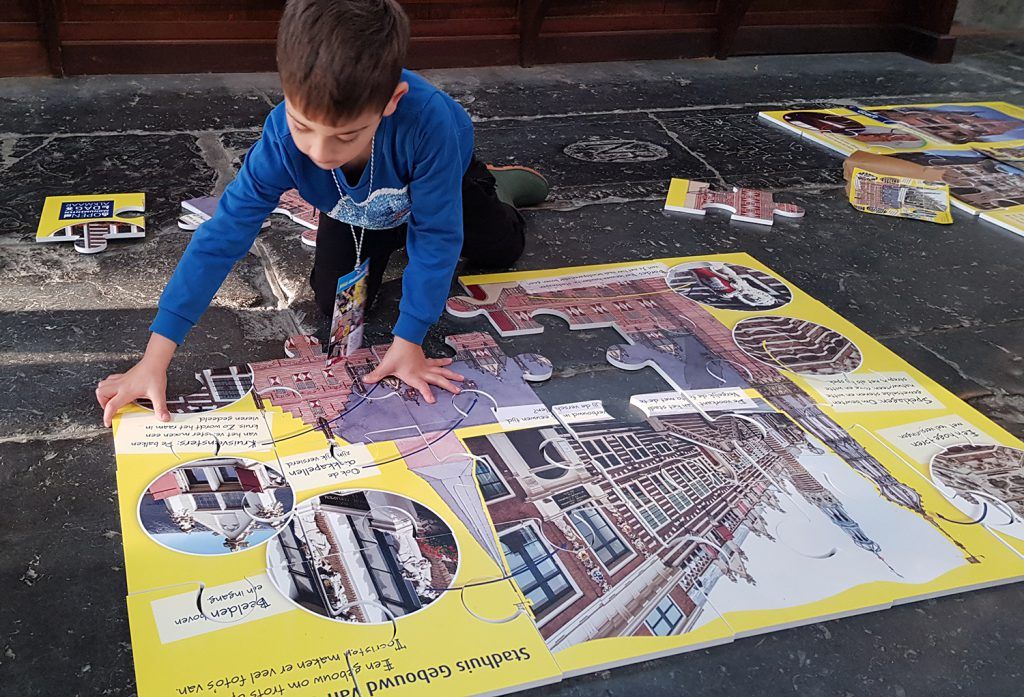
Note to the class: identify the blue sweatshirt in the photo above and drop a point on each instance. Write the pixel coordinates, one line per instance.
(420, 155)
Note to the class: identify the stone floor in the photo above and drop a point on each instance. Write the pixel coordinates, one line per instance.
(948, 299)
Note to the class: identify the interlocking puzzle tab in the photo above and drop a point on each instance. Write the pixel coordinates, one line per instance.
(991, 475)
(89, 221)
(738, 503)
(745, 205)
(685, 343)
(667, 507)
(318, 390)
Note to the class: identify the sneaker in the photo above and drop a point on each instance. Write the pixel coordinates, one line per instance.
(519, 186)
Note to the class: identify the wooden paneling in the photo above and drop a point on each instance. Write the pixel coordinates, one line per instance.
(147, 36)
(22, 46)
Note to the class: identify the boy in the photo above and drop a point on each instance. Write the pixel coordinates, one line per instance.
(386, 157)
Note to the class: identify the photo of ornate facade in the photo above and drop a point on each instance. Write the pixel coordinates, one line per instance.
(977, 180)
(363, 556)
(646, 311)
(958, 125)
(216, 506)
(729, 286)
(318, 390)
(620, 529)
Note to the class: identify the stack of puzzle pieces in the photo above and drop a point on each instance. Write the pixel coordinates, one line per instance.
(980, 145)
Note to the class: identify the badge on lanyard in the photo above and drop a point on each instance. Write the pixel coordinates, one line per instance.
(347, 322)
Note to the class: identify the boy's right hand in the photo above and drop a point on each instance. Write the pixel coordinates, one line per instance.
(147, 378)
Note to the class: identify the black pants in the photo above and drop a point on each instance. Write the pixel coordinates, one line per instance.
(493, 237)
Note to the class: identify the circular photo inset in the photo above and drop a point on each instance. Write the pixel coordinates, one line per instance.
(216, 506)
(363, 555)
(796, 345)
(728, 286)
(980, 472)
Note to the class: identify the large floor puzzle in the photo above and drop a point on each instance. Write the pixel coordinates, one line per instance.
(980, 144)
(358, 541)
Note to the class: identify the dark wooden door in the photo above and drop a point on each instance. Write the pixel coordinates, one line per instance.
(22, 44)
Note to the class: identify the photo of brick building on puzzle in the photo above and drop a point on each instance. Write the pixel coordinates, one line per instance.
(958, 124)
(978, 181)
(309, 386)
(216, 506)
(686, 341)
(632, 529)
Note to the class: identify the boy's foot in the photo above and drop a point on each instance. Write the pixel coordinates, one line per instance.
(519, 186)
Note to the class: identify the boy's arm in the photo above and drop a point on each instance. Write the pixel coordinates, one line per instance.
(212, 251)
(224, 239)
(434, 237)
(434, 244)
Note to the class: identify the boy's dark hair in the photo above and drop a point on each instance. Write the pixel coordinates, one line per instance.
(339, 59)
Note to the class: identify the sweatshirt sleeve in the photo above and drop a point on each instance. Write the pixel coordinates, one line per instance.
(225, 238)
(434, 237)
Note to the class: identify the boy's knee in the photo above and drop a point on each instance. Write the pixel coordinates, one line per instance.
(324, 286)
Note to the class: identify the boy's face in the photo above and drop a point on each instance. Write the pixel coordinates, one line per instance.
(333, 146)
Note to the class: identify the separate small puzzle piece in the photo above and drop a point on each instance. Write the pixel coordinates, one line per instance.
(90, 221)
(300, 212)
(291, 205)
(745, 205)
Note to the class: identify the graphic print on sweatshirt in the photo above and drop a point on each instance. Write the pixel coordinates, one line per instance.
(382, 209)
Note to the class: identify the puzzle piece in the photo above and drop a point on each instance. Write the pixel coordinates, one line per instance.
(768, 479)
(638, 301)
(299, 211)
(682, 360)
(291, 205)
(199, 210)
(574, 523)
(745, 205)
(798, 345)
(193, 608)
(90, 221)
(988, 475)
(222, 387)
(362, 555)
(320, 390)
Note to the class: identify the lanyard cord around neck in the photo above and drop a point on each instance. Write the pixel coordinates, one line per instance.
(358, 241)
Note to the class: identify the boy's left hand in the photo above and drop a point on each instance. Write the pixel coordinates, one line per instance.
(406, 361)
